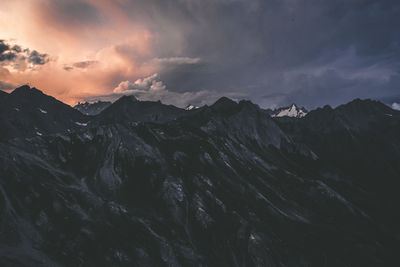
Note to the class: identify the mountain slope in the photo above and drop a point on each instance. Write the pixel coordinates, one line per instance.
(222, 185)
(361, 140)
(3, 95)
(28, 112)
(165, 198)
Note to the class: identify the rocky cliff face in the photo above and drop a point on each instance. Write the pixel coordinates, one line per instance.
(92, 108)
(145, 184)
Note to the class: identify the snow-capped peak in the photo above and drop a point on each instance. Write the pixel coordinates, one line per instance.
(190, 107)
(292, 111)
(396, 106)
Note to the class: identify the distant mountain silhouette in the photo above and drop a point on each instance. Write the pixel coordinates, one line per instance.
(129, 109)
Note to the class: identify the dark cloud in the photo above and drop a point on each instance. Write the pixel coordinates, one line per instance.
(178, 61)
(3, 46)
(327, 50)
(19, 58)
(17, 48)
(81, 65)
(7, 56)
(85, 64)
(37, 59)
(272, 52)
(64, 13)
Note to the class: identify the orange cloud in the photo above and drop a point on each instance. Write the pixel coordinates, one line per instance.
(50, 27)
(93, 46)
(112, 65)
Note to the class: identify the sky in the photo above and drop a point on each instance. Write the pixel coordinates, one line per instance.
(272, 52)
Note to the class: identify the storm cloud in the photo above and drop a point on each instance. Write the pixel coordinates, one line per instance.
(273, 52)
(3, 46)
(15, 55)
(37, 59)
(310, 52)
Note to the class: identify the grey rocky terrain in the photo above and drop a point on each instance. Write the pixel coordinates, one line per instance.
(147, 184)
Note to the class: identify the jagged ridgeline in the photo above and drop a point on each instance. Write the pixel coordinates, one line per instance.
(140, 183)
(93, 108)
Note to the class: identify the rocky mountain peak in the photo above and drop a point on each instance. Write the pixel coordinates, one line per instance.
(92, 108)
(26, 90)
(191, 107)
(290, 111)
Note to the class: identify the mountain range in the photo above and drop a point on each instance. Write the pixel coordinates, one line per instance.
(141, 183)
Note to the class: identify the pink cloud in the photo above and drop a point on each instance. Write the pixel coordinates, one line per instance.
(93, 46)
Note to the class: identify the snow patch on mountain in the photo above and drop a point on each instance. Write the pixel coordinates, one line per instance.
(292, 111)
(396, 106)
(190, 107)
(80, 123)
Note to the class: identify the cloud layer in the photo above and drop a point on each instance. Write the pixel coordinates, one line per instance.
(151, 83)
(272, 52)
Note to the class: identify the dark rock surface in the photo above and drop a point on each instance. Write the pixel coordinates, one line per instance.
(92, 108)
(129, 109)
(145, 184)
(27, 112)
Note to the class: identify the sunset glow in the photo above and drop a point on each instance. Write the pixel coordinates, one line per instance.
(271, 52)
(86, 57)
